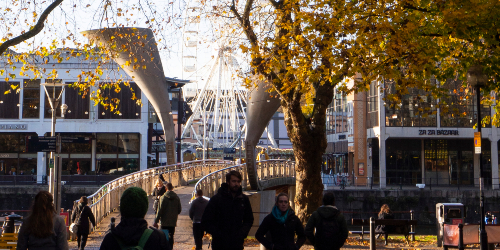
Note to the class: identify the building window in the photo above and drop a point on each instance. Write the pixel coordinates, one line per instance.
(417, 108)
(129, 143)
(127, 107)
(9, 108)
(372, 105)
(54, 92)
(31, 98)
(106, 143)
(78, 104)
(340, 113)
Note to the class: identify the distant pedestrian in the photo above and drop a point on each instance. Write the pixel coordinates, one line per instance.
(81, 216)
(330, 226)
(43, 229)
(133, 228)
(157, 193)
(228, 216)
(283, 225)
(169, 209)
(384, 214)
(196, 210)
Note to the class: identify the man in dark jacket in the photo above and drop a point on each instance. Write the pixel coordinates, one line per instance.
(195, 213)
(282, 224)
(133, 207)
(169, 209)
(228, 216)
(81, 216)
(330, 225)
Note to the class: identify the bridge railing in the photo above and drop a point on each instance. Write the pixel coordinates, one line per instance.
(107, 198)
(267, 171)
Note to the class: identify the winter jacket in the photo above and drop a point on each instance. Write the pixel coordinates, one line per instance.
(228, 219)
(159, 192)
(168, 209)
(329, 213)
(197, 208)
(57, 241)
(83, 224)
(282, 235)
(383, 229)
(130, 230)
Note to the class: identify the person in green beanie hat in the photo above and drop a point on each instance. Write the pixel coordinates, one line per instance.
(133, 229)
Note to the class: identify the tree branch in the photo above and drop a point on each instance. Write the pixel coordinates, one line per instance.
(33, 32)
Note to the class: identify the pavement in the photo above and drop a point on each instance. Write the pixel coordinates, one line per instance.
(183, 232)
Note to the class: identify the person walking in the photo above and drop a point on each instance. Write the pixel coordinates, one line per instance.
(133, 228)
(43, 229)
(385, 213)
(157, 193)
(81, 216)
(283, 225)
(228, 216)
(196, 210)
(169, 209)
(327, 227)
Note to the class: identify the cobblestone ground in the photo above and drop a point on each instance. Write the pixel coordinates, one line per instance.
(183, 232)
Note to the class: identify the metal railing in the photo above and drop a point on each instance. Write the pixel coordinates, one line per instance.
(107, 198)
(269, 172)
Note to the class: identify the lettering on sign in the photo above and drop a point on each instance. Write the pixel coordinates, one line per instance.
(437, 132)
(14, 126)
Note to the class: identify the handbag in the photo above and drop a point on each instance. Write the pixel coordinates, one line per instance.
(74, 227)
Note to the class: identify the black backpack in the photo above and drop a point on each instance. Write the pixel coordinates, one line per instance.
(328, 233)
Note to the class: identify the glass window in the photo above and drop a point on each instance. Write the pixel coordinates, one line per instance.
(31, 98)
(76, 147)
(128, 108)
(54, 92)
(106, 143)
(78, 104)
(9, 108)
(128, 143)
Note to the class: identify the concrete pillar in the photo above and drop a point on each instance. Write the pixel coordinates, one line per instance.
(143, 161)
(93, 159)
(382, 166)
(422, 160)
(494, 163)
(41, 170)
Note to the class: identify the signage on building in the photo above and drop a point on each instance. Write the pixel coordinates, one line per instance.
(48, 143)
(342, 137)
(437, 132)
(13, 126)
(477, 142)
(361, 168)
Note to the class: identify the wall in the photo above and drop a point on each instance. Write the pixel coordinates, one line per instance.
(363, 204)
(21, 197)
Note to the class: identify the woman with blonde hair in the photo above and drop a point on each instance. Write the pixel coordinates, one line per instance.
(157, 193)
(384, 214)
(43, 229)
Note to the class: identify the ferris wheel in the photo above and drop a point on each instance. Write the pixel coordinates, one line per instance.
(219, 100)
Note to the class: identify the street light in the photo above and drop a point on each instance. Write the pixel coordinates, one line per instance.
(478, 79)
(55, 171)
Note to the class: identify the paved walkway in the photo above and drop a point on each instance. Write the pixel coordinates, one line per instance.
(183, 233)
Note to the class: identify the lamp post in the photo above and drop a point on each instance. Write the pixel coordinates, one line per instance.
(55, 169)
(477, 79)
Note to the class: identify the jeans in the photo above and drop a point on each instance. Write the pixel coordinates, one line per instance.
(82, 240)
(171, 231)
(198, 235)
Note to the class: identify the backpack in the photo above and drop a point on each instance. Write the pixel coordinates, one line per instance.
(328, 233)
(142, 241)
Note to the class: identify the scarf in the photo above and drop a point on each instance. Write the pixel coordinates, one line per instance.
(279, 216)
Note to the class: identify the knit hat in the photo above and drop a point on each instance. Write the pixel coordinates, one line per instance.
(134, 203)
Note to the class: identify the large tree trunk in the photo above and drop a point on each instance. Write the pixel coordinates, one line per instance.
(309, 144)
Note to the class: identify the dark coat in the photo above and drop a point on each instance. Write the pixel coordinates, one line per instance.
(383, 229)
(169, 209)
(326, 212)
(197, 208)
(228, 219)
(159, 192)
(282, 235)
(130, 231)
(83, 224)
(57, 241)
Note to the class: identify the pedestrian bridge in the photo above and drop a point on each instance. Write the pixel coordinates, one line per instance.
(209, 173)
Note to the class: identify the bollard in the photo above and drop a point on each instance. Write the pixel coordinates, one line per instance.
(412, 228)
(373, 243)
(112, 224)
(460, 236)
